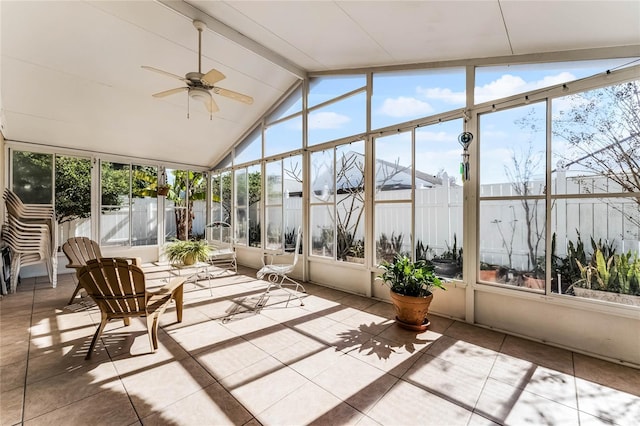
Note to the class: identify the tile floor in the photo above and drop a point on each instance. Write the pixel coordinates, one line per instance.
(339, 359)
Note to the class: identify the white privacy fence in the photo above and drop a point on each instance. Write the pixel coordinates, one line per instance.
(503, 229)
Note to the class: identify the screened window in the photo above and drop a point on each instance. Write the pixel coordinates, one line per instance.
(596, 193)
(220, 225)
(283, 188)
(322, 203)
(248, 190)
(408, 95)
(344, 117)
(250, 148)
(393, 163)
(32, 177)
(73, 197)
(438, 198)
(283, 136)
(512, 217)
(323, 89)
(494, 82)
(115, 203)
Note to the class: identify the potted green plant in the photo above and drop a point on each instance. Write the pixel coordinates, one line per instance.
(187, 252)
(356, 252)
(449, 263)
(411, 284)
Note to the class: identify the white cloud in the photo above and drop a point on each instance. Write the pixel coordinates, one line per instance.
(445, 95)
(405, 107)
(327, 120)
(508, 85)
(424, 136)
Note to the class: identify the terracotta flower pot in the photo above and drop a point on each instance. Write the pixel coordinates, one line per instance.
(532, 282)
(490, 275)
(411, 312)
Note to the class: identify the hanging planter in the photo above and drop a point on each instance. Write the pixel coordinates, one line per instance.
(163, 190)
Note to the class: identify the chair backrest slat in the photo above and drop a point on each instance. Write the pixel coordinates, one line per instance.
(115, 285)
(81, 249)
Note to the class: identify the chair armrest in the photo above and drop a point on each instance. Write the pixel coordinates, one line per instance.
(170, 287)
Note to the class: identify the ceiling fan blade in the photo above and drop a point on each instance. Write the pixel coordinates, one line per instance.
(233, 95)
(170, 92)
(168, 74)
(212, 77)
(211, 105)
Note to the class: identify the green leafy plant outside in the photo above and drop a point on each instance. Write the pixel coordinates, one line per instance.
(616, 274)
(409, 278)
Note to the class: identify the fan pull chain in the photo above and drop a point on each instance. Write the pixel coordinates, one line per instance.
(188, 103)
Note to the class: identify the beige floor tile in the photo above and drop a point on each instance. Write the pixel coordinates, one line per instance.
(509, 405)
(283, 314)
(387, 355)
(544, 382)
(381, 309)
(201, 337)
(406, 404)
(589, 420)
(262, 384)
(409, 338)
(370, 323)
(221, 308)
(358, 302)
(315, 303)
(212, 405)
(355, 382)
(477, 335)
(325, 292)
(107, 407)
(461, 352)
(538, 353)
(457, 383)
(308, 357)
(49, 331)
(138, 357)
(478, 420)
(275, 338)
(367, 421)
(230, 357)
(15, 329)
(249, 324)
(309, 405)
(617, 376)
(12, 375)
(14, 352)
(11, 406)
(613, 406)
(157, 386)
(63, 359)
(49, 394)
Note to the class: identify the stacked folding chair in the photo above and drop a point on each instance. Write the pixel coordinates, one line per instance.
(30, 233)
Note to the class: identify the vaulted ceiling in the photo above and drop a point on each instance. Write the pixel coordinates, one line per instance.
(71, 76)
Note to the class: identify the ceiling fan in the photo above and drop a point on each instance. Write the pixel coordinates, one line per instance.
(201, 86)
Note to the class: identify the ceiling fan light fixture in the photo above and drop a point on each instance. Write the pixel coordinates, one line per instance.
(199, 94)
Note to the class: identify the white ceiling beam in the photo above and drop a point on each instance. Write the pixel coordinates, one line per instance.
(185, 9)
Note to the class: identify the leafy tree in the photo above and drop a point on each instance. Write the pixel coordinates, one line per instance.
(602, 132)
(188, 187)
(32, 177)
(73, 188)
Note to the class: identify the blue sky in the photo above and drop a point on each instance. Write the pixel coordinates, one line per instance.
(403, 96)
